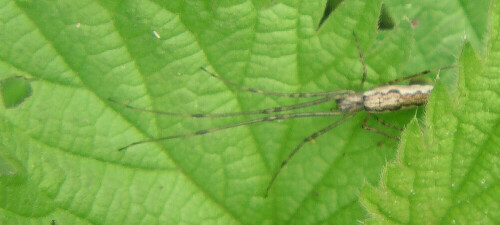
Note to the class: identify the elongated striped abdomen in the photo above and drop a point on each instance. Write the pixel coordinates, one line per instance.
(395, 97)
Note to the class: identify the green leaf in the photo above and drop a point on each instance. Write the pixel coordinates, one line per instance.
(63, 140)
(461, 22)
(447, 169)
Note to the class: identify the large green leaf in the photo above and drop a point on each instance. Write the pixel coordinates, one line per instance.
(59, 157)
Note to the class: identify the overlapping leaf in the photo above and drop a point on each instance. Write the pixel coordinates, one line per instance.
(59, 155)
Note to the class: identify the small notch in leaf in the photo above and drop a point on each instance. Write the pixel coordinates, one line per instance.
(331, 5)
(385, 21)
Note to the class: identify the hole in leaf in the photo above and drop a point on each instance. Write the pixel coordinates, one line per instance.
(385, 21)
(15, 90)
(331, 5)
